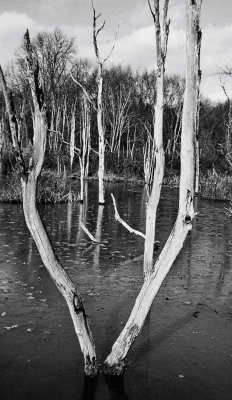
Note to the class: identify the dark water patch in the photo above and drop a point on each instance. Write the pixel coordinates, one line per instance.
(185, 348)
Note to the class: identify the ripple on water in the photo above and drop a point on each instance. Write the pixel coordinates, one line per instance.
(185, 348)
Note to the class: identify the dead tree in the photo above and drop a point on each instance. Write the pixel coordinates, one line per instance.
(162, 32)
(197, 172)
(72, 136)
(84, 143)
(227, 148)
(197, 168)
(114, 364)
(101, 133)
(101, 130)
(29, 178)
(119, 102)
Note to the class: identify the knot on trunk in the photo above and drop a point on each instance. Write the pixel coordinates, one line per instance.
(189, 208)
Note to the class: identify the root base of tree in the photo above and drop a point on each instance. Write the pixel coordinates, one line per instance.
(114, 370)
(91, 369)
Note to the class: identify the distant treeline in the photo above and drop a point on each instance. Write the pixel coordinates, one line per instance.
(128, 113)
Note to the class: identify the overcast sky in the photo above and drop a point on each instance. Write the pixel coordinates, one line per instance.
(135, 40)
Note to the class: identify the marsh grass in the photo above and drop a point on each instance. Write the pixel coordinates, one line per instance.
(216, 186)
(212, 185)
(171, 179)
(58, 189)
(51, 189)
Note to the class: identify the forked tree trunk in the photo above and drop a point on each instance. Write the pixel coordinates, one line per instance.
(161, 51)
(114, 363)
(29, 177)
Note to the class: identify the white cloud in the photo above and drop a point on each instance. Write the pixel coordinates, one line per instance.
(216, 53)
(13, 26)
(136, 48)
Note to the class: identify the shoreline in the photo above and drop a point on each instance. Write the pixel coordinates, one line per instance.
(54, 188)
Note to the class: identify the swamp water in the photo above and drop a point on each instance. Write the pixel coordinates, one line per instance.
(185, 348)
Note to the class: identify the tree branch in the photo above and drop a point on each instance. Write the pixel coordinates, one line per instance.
(88, 233)
(84, 91)
(119, 219)
(113, 47)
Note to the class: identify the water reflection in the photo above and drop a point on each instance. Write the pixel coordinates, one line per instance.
(199, 281)
(89, 388)
(116, 387)
(98, 236)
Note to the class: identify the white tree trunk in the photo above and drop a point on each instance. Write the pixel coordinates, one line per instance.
(101, 135)
(114, 363)
(72, 137)
(1, 143)
(58, 274)
(197, 178)
(161, 50)
(34, 223)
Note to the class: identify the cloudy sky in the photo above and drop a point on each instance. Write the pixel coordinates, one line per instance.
(135, 40)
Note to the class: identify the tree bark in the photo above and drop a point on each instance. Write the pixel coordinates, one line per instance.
(161, 51)
(101, 133)
(114, 364)
(72, 136)
(101, 136)
(1, 143)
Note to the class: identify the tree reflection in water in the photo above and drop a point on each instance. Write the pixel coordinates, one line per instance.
(115, 385)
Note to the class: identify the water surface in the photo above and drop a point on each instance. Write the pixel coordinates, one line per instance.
(184, 350)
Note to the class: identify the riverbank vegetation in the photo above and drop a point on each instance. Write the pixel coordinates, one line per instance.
(54, 188)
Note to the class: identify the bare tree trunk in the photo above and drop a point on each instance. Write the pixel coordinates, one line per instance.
(197, 148)
(227, 150)
(114, 363)
(58, 274)
(100, 119)
(72, 137)
(101, 136)
(84, 144)
(197, 177)
(29, 178)
(161, 51)
(1, 143)
(101, 133)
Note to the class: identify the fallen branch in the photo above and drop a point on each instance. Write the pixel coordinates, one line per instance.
(119, 219)
(88, 233)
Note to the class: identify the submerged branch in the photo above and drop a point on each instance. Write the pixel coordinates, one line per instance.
(119, 219)
(88, 233)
